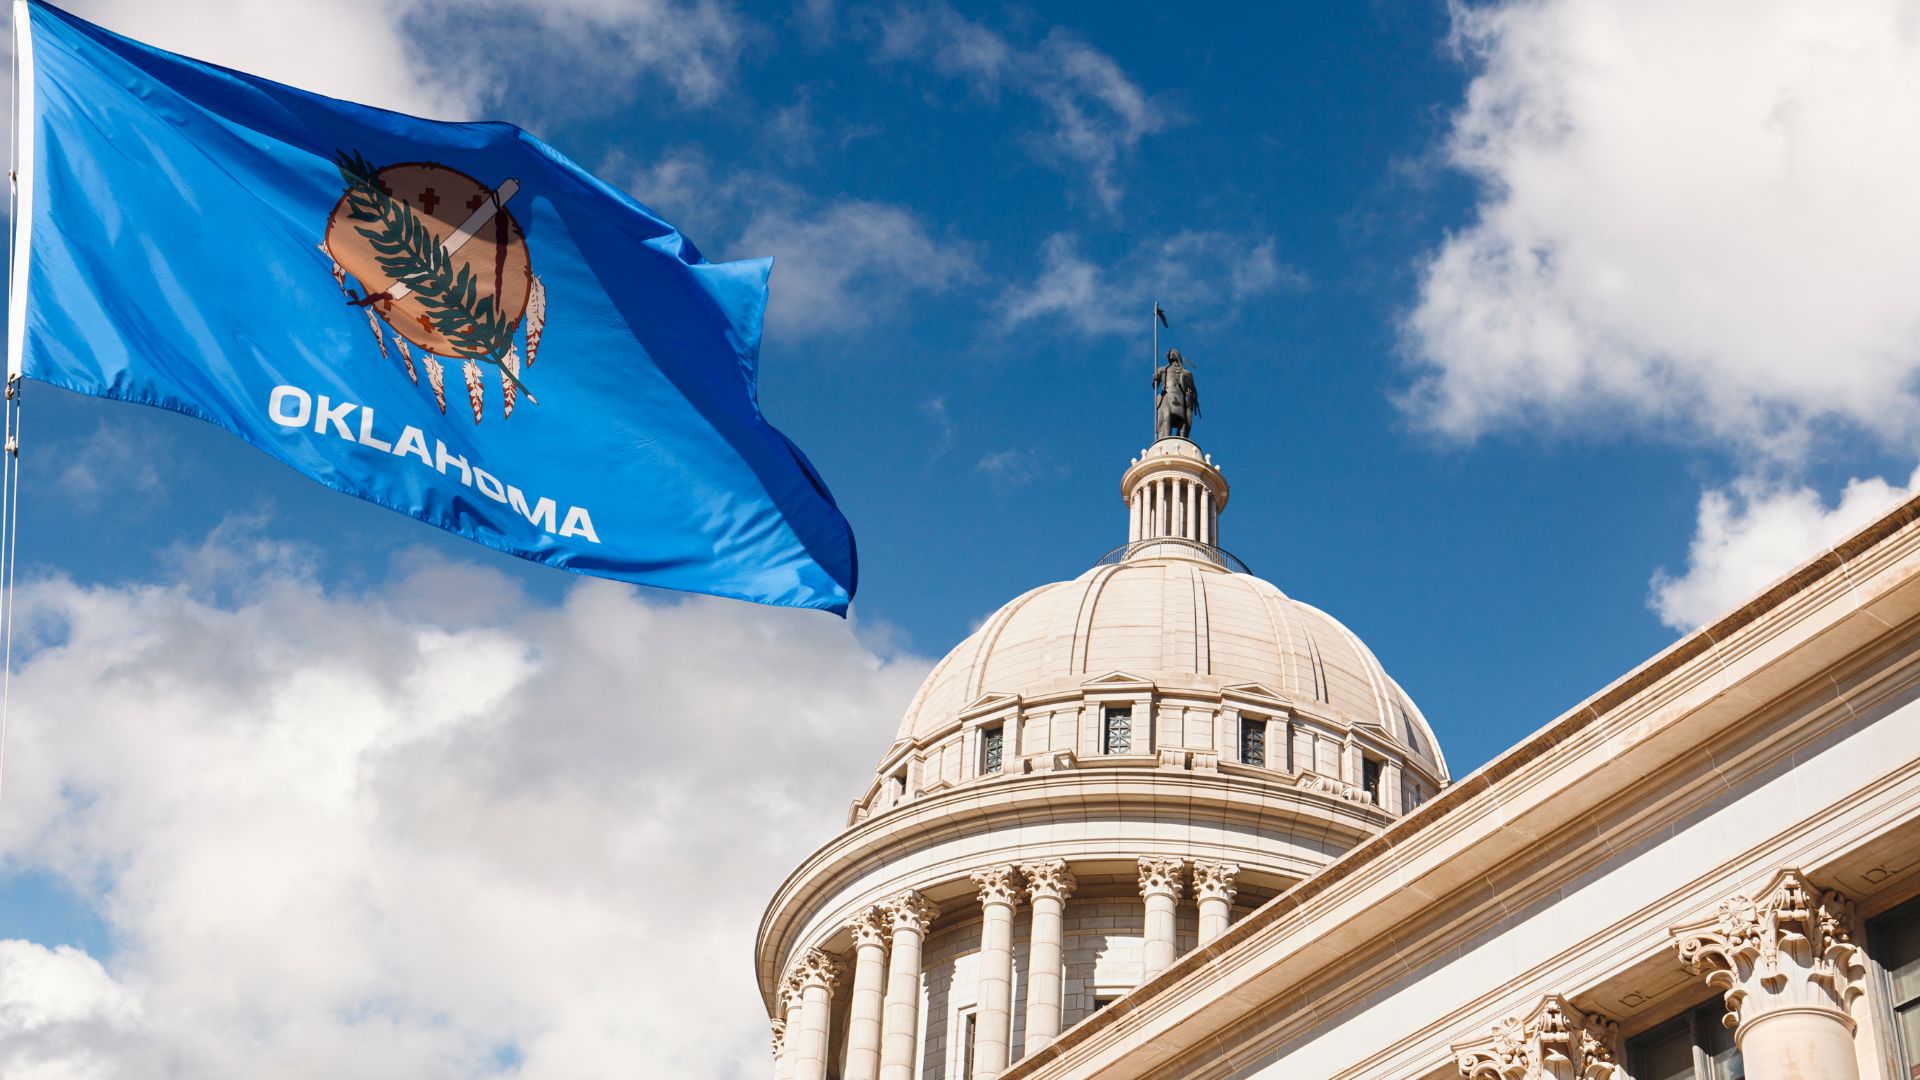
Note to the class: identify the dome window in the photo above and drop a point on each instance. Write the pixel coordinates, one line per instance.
(1253, 741)
(1370, 770)
(993, 743)
(1116, 731)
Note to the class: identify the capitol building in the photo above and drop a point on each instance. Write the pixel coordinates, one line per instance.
(1164, 820)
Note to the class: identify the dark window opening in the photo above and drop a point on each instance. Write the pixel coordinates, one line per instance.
(966, 1059)
(1370, 779)
(1253, 741)
(1894, 942)
(1693, 1046)
(1116, 732)
(992, 746)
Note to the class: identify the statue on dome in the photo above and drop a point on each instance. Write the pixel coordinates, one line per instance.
(1176, 401)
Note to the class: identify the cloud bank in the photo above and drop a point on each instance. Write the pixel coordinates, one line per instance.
(428, 828)
(1694, 222)
(1693, 218)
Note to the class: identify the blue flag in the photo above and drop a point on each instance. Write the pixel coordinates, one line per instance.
(451, 320)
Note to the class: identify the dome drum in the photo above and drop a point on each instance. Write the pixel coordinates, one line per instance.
(1243, 731)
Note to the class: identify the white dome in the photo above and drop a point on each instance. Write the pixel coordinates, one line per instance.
(1177, 622)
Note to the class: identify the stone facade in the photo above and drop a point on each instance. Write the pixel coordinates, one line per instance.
(1229, 841)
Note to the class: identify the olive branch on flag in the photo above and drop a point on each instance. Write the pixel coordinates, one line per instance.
(414, 256)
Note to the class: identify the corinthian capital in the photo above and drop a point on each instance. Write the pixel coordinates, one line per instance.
(1792, 946)
(910, 911)
(815, 967)
(1553, 1042)
(998, 884)
(870, 927)
(1051, 879)
(1214, 880)
(779, 1037)
(793, 991)
(1159, 874)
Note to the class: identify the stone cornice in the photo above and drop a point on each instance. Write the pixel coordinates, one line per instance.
(1555, 1041)
(1781, 650)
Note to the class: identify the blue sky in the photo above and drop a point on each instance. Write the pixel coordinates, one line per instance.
(1526, 336)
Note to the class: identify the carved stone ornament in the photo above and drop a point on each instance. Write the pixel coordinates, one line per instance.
(910, 911)
(1050, 879)
(793, 992)
(871, 927)
(1327, 785)
(998, 884)
(1790, 948)
(1214, 880)
(1161, 875)
(779, 1037)
(816, 967)
(1553, 1042)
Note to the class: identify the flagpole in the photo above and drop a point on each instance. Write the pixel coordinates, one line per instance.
(20, 160)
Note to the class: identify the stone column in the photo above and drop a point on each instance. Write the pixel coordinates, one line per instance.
(869, 972)
(814, 977)
(792, 997)
(993, 1026)
(1160, 885)
(1213, 888)
(1048, 886)
(1790, 970)
(1555, 1041)
(907, 915)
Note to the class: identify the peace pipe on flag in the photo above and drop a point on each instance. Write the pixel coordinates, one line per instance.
(307, 273)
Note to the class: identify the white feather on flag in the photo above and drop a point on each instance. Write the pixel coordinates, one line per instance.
(536, 319)
(476, 387)
(436, 378)
(406, 355)
(510, 374)
(373, 323)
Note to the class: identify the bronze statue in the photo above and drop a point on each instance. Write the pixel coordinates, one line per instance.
(1176, 402)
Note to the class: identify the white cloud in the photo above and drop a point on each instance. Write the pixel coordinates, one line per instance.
(112, 457)
(444, 58)
(841, 266)
(838, 264)
(1749, 534)
(1096, 114)
(421, 830)
(1198, 277)
(1016, 467)
(63, 1016)
(1693, 218)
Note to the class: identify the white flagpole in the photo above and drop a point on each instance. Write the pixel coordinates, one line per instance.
(19, 263)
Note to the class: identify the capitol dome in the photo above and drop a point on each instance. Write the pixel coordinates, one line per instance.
(1165, 725)
(1169, 617)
